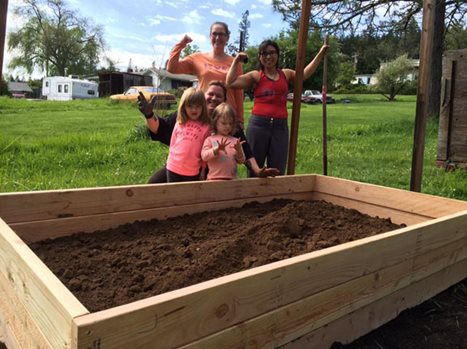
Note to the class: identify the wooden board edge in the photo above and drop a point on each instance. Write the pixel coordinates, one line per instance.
(45, 229)
(50, 305)
(398, 199)
(55, 204)
(368, 318)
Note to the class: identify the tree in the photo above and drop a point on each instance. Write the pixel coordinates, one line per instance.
(55, 39)
(346, 74)
(350, 16)
(189, 49)
(243, 26)
(456, 37)
(392, 77)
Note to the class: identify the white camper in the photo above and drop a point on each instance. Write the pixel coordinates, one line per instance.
(60, 88)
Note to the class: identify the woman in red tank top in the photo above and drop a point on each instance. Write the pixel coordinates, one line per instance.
(267, 132)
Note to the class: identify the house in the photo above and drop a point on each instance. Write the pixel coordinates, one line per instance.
(19, 89)
(61, 88)
(166, 81)
(370, 79)
(112, 83)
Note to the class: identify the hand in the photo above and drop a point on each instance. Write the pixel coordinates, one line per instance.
(145, 107)
(241, 57)
(238, 145)
(268, 172)
(223, 144)
(186, 40)
(325, 48)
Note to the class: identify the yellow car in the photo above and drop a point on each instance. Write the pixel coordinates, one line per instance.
(163, 100)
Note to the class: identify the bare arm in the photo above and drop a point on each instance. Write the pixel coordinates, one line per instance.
(174, 64)
(311, 67)
(243, 81)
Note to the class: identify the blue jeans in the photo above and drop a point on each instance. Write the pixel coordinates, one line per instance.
(269, 141)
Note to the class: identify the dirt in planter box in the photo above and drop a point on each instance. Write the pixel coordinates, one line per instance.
(139, 260)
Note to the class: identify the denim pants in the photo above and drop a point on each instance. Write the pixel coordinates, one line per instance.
(269, 141)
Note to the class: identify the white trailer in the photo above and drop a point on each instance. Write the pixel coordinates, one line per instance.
(61, 88)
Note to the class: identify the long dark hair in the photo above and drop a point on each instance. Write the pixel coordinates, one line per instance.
(262, 47)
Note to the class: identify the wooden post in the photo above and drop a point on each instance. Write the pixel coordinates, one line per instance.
(297, 91)
(426, 43)
(324, 94)
(3, 15)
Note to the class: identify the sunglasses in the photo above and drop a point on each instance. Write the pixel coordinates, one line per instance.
(268, 53)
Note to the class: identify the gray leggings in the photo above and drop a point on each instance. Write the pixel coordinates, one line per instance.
(269, 141)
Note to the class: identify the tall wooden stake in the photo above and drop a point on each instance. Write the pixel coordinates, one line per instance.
(426, 43)
(297, 91)
(3, 14)
(324, 94)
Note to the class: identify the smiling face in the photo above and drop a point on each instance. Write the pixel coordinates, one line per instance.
(219, 36)
(269, 57)
(214, 96)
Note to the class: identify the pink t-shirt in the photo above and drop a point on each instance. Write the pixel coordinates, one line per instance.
(224, 165)
(185, 147)
(207, 69)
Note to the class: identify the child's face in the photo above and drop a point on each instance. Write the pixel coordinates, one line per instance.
(224, 126)
(193, 111)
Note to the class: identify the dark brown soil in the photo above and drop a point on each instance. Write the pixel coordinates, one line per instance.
(139, 260)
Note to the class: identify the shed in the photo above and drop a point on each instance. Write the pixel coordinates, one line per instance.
(19, 89)
(166, 81)
(111, 83)
(452, 132)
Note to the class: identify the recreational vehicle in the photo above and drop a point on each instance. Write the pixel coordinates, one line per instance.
(60, 88)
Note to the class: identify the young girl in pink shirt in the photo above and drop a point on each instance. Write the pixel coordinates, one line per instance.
(222, 151)
(192, 128)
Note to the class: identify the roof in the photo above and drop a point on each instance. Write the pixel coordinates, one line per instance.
(14, 86)
(162, 73)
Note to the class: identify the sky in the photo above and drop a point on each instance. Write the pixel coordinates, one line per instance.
(146, 30)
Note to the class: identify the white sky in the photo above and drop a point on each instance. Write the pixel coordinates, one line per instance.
(146, 30)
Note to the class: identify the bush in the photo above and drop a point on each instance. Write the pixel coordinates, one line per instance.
(3, 87)
(360, 89)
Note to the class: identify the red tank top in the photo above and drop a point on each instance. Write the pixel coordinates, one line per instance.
(271, 96)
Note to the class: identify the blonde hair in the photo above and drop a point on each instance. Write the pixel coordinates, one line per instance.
(191, 96)
(224, 110)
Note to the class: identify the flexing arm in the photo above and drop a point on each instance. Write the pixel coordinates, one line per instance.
(243, 81)
(311, 67)
(174, 64)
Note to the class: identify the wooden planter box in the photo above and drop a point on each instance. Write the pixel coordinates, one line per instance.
(335, 294)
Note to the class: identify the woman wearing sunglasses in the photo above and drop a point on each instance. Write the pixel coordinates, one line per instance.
(209, 66)
(268, 132)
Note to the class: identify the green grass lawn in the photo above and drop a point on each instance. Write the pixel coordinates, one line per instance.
(74, 144)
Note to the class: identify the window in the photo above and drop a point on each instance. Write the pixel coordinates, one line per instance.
(59, 88)
(91, 92)
(46, 84)
(65, 88)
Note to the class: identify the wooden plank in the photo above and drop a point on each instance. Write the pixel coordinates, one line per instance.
(405, 201)
(40, 230)
(43, 205)
(362, 321)
(285, 324)
(396, 216)
(17, 328)
(44, 298)
(181, 316)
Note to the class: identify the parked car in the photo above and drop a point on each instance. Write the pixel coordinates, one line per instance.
(164, 99)
(314, 97)
(290, 97)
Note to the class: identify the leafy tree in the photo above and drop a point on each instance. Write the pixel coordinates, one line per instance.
(55, 39)
(456, 37)
(243, 26)
(392, 77)
(350, 16)
(189, 49)
(3, 86)
(346, 74)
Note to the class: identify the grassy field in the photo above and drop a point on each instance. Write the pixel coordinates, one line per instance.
(57, 145)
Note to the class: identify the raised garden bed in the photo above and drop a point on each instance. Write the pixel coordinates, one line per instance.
(335, 294)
